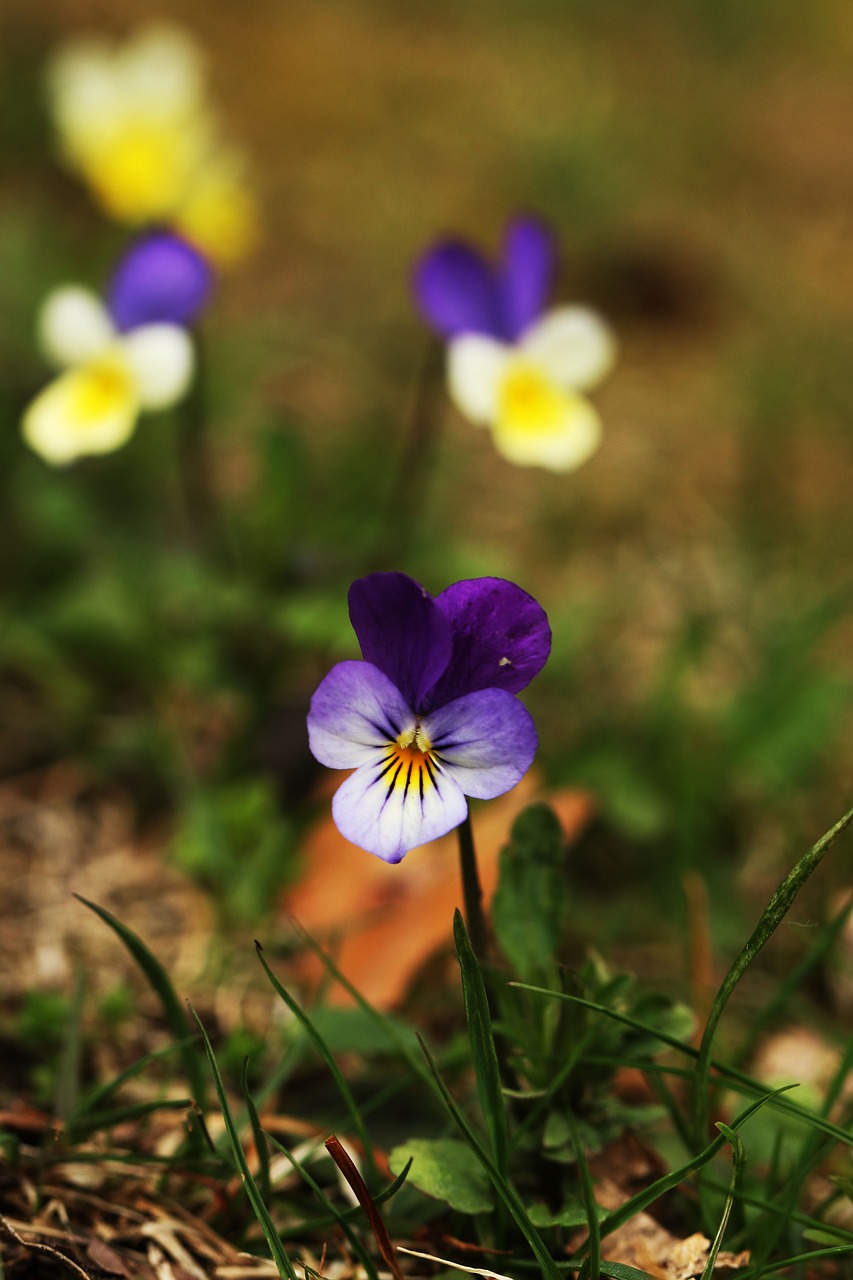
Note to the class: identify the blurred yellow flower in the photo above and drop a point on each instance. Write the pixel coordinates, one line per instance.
(532, 392)
(107, 378)
(135, 123)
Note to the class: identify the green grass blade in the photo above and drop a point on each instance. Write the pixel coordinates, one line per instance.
(674, 1179)
(327, 1056)
(508, 1195)
(159, 982)
(277, 1250)
(103, 1092)
(832, 1251)
(407, 1050)
(768, 1206)
(771, 918)
(482, 1040)
(738, 1161)
(258, 1135)
(68, 1082)
(588, 1192)
(732, 1077)
(309, 1226)
(779, 1000)
(95, 1121)
(542, 1105)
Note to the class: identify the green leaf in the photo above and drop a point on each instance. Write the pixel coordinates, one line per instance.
(531, 900)
(572, 1213)
(447, 1170)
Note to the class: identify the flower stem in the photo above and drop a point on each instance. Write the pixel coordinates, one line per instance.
(472, 890)
(193, 457)
(407, 496)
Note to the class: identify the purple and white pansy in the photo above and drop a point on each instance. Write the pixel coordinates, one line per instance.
(120, 357)
(513, 364)
(430, 716)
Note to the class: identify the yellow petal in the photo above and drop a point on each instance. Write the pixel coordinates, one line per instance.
(146, 168)
(221, 216)
(92, 409)
(540, 424)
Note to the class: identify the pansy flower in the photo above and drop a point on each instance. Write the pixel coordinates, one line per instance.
(121, 358)
(430, 715)
(513, 364)
(134, 122)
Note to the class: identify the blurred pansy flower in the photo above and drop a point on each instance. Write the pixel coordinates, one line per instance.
(121, 358)
(513, 364)
(134, 122)
(430, 716)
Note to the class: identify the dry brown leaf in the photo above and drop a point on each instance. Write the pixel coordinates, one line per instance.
(391, 919)
(106, 1259)
(643, 1242)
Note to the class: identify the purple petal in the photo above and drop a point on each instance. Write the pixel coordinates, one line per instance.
(457, 291)
(161, 278)
(388, 811)
(501, 638)
(355, 713)
(527, 275)
(401, 631)
(486, 741)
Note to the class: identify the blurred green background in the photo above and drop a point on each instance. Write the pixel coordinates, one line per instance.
(695, 157)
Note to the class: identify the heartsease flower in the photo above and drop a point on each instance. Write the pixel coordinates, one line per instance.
(430, 715)
(120, 359)
(513, 365)
(134, 122)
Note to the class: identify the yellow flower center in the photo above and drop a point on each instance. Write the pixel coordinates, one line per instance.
(528, 399)
(101, 389)
(410, 762)
(143, 172)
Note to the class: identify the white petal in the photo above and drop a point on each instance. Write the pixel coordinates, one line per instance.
(485, 740)
(72, 326)
(89, 410)
(390, 811)
(83, 92)
(162, 359)
(474, 367)
(573, 345)
(162, 71)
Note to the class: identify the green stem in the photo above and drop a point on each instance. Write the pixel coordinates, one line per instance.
(406, 501)
(774, 913)
(194, 455)
(472, 890)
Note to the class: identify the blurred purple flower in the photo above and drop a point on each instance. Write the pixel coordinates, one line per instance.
(459, 291)
(160, 279)
(514, 364)
(430, 716)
